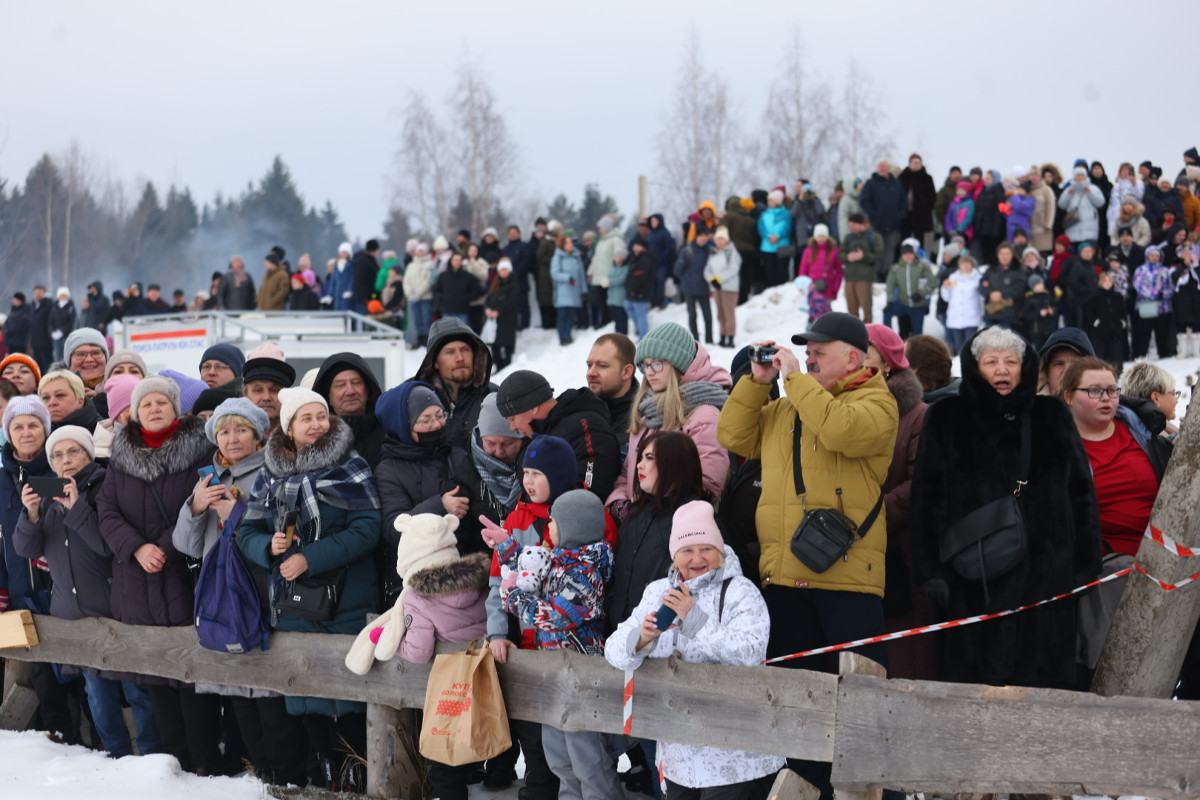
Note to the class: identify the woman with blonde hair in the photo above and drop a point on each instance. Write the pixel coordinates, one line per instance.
(682, 391)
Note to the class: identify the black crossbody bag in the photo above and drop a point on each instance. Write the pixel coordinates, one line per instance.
(824, 534)
(992, 540)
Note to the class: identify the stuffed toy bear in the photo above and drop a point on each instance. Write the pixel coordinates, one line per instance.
(426, 540)
(533, 565)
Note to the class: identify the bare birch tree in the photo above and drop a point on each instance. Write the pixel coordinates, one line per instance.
(863, 138)
(76, 171)
(701, 151)
(799, 122)
(424, 183)
(485, 153)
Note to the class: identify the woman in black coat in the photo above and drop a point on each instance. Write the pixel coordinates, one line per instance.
(416, 472)
(155, 458)
(969, 455)
(455, 289)
(668, 475)
(502, 304)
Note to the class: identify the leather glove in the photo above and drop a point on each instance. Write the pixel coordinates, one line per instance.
(937, 590)
(715, 283)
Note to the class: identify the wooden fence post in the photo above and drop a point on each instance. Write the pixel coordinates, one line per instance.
(790, 786)
(855, 664)
(1152, 627)
(392, 766)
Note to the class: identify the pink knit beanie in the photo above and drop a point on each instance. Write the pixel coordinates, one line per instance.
(693, 524)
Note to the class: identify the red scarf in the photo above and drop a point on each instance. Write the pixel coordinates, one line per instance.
(155, 440)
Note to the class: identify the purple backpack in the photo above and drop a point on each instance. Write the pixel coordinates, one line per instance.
(229, 616)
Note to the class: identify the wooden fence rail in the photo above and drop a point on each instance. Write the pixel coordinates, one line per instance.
(909, 735)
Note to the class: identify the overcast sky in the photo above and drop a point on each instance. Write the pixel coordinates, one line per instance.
(205, 94)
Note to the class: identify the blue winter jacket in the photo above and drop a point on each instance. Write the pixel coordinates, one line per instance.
(689, 269)
(775, 222)
(570, 281)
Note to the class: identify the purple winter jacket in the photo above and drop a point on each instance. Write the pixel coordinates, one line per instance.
(445, 604)
(1021, 215)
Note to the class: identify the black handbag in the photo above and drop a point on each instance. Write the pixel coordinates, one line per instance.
(314, 598)
(992, 540)
(824, 534)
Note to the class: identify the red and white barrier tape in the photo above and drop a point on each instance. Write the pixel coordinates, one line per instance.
(628, 702)
(958, 623)
(1172, 546)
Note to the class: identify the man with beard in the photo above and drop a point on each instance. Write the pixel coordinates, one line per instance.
(610, 376)
(351, 389)
(459, 366)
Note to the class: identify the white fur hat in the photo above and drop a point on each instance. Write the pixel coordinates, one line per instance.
(292, 399)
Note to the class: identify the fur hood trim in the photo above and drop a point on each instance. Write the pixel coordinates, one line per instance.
(188, 445)
(329, 451)
(463, 574)
(905, 387)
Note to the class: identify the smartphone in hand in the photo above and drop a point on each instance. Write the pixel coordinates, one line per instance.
(204, 472)
(290, 519)
(49, 487)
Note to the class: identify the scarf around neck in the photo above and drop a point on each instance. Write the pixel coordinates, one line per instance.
(696, 393)
(155, 440)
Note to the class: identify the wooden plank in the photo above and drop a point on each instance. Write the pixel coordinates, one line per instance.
(18, 709)
(784, 712)
(790, 786)
(17, 630)
(920, 736)
(1152, 628)
(855, 664)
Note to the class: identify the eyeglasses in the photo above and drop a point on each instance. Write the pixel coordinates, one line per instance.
(1096, 392)
(84, 355)
(655, 366)
(428, 421)
(70, 452)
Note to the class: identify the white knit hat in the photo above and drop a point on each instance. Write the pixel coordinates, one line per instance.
(75, 434)
(292, 399)
(426, 540)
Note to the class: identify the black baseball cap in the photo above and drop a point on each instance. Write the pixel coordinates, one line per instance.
(836, 326)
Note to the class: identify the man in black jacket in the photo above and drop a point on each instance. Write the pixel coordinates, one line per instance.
(365, 268)
(885, 203)
(610, 376)
(527, 401)
(96, 315)
(521, 256)
(459, 366)
(39, 330)
(351, 389)
(18, 325)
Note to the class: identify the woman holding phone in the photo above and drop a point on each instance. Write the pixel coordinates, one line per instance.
(152, 470)
(313, 477)
(710, 613)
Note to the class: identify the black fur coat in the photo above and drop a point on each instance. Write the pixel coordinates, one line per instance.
(969, 456)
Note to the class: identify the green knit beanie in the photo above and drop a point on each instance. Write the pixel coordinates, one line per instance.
(671, 342)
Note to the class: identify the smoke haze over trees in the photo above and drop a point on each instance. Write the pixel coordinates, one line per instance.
(68, 225)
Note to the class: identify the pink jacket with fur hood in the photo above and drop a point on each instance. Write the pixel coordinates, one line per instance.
(445, 604)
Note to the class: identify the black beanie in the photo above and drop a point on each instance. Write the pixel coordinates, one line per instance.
(521, 391)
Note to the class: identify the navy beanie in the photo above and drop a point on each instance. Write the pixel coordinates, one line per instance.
(555, 458)
(226, 354)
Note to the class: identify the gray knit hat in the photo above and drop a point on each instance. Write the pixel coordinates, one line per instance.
(150, 385)
(579, 515)
(670, 342)
(492, 422)
(81, 336)
(421, 397)
(124, 357)
(241, 407)
(521, 391)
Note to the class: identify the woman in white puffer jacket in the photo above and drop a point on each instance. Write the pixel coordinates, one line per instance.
(721, 619)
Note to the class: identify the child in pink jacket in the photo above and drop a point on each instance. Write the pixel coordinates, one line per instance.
(821, 262)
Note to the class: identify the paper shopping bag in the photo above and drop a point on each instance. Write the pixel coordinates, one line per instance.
(465, 719)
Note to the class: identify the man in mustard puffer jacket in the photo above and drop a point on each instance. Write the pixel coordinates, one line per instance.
(847, 422)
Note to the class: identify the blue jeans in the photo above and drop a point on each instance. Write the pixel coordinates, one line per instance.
(104, 698)
(636, 309)
(422, 315)
(620, 319)
(566, 322)
(957, 337)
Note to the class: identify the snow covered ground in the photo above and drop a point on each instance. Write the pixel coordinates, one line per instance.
(33, 767)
